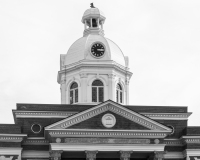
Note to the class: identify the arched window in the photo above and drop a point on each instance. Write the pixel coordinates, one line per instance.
(73, 93)
(119, 93)
(97, 91)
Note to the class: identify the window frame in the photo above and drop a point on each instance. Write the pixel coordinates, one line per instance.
(74, 94)
(97, 91)
(119, 94)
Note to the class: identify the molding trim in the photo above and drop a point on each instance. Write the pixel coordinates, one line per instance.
(173, 142)
(107, 133)
(173, 155)
(42, 114)
(168, 116)
(191, 152)
(88, 64)
(107, 147)
(11, 151)
(12, 137)
(102, 141)
(113, 107)
(191, 139)
(36, 142)
(35, 154)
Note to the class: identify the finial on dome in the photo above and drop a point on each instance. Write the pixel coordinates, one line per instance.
(92, 5)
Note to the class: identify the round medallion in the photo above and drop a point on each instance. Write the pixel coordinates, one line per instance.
(36, 128)
(108, 120)
(97, 50)
(58, 140)
(156, 141)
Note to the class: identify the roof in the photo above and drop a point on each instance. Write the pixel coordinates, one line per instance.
(79, 108)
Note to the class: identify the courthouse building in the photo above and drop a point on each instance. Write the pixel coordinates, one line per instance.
(95, 119)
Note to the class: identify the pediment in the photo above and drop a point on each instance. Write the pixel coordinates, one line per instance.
(108, 107)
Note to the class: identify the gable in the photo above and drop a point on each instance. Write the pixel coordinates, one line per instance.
(113, 107)
(96, 123)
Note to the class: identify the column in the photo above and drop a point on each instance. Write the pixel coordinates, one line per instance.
(159, 155)
(125, 155)
(102, 24)
(91, 155)
(91, 23)
(55, 155)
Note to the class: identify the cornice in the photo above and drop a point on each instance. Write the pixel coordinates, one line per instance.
(173, 142)
(61, 114)
(42, 114)
(101, 147)
(113, 107)
(190, 139)
(92, 64)
(168, 116)
(35, 142)
(184, 137)
(12, 137)
(182, 141)
(106, 133)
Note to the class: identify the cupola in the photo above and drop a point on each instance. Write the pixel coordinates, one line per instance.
(94, 69)
(93, 20)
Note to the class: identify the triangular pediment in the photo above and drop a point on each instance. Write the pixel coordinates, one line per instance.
(112, 108)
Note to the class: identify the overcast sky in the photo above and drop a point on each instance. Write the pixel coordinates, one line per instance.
(161, 39)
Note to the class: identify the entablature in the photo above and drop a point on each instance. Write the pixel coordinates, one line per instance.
(107, 133)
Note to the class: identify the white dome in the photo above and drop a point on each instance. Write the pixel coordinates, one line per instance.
(80, 50)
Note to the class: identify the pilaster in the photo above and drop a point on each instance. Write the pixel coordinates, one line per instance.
(111, 86)
(55, 155)
(91, 155)
(125, 155)
(127, 90)
(63, 90)
(83, 87)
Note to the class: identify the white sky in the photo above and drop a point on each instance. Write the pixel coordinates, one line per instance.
(161, 39)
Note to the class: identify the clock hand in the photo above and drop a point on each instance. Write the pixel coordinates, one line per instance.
(100, 49)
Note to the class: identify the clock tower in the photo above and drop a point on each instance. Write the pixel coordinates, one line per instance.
(94, 69)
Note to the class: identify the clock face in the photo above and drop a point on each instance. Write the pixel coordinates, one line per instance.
(97, 50)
